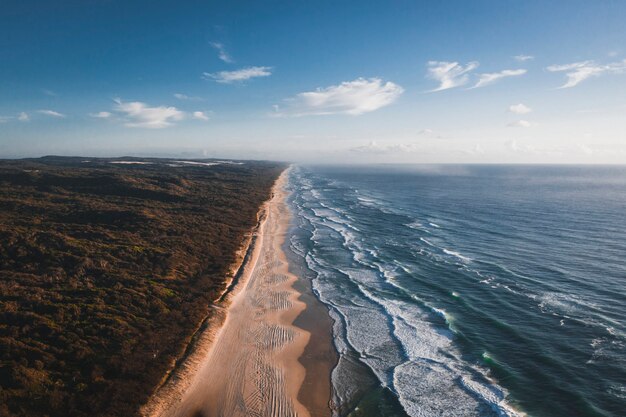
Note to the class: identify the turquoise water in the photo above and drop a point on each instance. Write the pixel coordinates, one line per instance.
(469, 290)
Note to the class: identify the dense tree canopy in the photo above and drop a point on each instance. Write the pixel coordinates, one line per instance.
(107, 269)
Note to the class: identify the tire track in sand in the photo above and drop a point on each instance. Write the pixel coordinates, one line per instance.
(252, 369)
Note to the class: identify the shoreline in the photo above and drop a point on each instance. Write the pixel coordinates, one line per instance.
(320, 355)
(216, 318)
(258, 340)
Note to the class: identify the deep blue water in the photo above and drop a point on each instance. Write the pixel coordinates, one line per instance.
(469, 290)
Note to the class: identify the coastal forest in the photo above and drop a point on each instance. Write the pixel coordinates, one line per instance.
(107, 267)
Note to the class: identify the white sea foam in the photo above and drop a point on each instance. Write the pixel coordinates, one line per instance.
(415, 225)
(392, 336)
(373, 202)
(429, 243)
(419, 368)
(457, 254)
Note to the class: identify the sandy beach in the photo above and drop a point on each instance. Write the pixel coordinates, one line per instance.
(249, 359)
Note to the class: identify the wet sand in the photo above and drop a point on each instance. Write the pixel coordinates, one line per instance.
(253, 359)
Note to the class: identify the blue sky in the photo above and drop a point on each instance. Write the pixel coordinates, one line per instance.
(333, 81)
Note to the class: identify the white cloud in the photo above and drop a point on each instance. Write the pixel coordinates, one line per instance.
(138, 114)
(374, 147)
(52, 113)
(22, 117)
(227, 77)
(200, 115)
(523, 58)
(477, 150)
(520, 123)
(520, 109)
(587, 150)
(490, 78)
(578, 72)
(513, 146)
(350, 97)
(182, 96)
(101, 115)
(450, 74)
(429, 133)
(221, 52)
(531, 149)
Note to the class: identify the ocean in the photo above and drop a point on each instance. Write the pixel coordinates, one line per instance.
(468, 290)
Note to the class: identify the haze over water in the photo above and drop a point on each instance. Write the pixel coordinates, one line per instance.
(470, 290)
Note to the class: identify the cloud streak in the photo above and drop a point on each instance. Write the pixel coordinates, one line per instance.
(523, 58)
(52, 113)
(520, 123)
(450, 74)
(490, 78)
(101, 115)
(244, 74)
(374, 147)
(185, 97)
(578, 72)
(350, 97)
(21, 117)
(221, 52)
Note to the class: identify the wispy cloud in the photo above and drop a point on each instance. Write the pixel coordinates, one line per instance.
(520, 123)
(221, 52)
(578, 72)
(101, 115)
(52, 113)
(350, 97)
(49, 93)
(22, 117)
(523, 58)
(244, 74)
(138, 114)
(199, 115)
(490, 78)
(450, 74)
(182, 96)
(429, 133)
(374, 147)
(520, 109)
(530, 149)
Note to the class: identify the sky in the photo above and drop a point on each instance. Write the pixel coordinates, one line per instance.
(499, 81)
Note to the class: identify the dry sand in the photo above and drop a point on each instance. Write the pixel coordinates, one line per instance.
(247, 360)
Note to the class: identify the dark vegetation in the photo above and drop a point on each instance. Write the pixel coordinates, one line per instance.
(105, 272)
